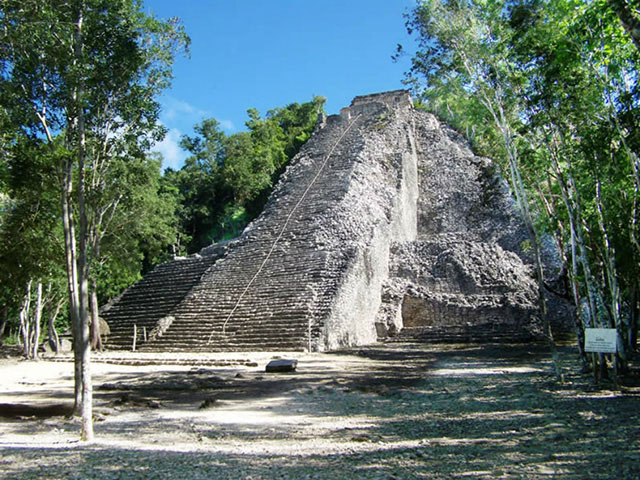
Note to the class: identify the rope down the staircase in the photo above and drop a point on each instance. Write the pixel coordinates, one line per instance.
(284, 227)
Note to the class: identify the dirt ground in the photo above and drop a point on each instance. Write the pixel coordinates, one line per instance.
(390, 411)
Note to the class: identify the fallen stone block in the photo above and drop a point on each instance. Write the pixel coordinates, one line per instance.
(282, 365)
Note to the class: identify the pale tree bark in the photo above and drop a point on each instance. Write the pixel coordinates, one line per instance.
(593, 291)
(552, 209)
(83, 349)
(588, 318)
(25, 324)
(37, 316)
(30, 321)
(609, 260)
(617, 321)
(96, 338)
(68, 224)
(574, 226)
(3, 321)
(54, 340)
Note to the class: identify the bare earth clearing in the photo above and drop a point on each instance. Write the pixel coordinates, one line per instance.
(386, 411)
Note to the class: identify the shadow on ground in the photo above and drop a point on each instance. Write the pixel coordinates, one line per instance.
(415, 411)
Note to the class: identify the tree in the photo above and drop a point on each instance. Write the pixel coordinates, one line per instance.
(589, 62)
(462, 51)
(558, 82)
(137, 225)
(627, 12)
(31, 241)
(88, 71)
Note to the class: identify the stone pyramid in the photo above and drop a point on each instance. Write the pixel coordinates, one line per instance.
(384, 223)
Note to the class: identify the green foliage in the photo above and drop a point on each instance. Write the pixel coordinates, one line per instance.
(138, 234)
(30, 233)
(564, 78)
(78, 88)
(231, 223)
(226, 181)
(31, 238)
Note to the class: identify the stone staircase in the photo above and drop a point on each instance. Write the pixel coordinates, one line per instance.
(272, 289)
(286, 282)
(137, 359)
(486, 334)
(144, 304)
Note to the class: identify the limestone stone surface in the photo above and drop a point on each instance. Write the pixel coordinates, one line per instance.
(384, 222)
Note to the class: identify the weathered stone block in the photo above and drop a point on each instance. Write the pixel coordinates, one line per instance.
(281, 365)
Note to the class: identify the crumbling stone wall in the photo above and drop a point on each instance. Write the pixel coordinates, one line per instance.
(384, 219)
(471, 265)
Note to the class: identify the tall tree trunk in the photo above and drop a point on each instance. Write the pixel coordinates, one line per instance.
(4, 314)
(611, 272)
(68, 225)
(571, 200)
(573, 265)
(54, 340)
(84, 348)
(76, 253)
(96, 338)
(37, 316)
(25, 326)
(68, 228)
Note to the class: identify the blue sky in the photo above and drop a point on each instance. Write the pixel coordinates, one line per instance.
(269, 53)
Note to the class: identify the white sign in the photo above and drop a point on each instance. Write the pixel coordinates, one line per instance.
(600, 340)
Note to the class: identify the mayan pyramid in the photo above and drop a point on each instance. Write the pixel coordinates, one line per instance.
(384, 223)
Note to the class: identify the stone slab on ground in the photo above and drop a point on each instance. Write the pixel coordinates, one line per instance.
(281, 365)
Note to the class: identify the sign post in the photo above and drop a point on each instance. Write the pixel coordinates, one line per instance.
(601, 340)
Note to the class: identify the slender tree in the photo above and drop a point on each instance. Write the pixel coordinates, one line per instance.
(87, 71)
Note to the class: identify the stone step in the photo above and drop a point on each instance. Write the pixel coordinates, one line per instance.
(155, 296)
(274, 345)
(132, 360)
(255, 333)
(470, 334)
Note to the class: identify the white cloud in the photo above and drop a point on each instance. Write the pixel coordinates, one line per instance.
(174, 108)
(172, 155)
(180, 114)
(227, 125)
